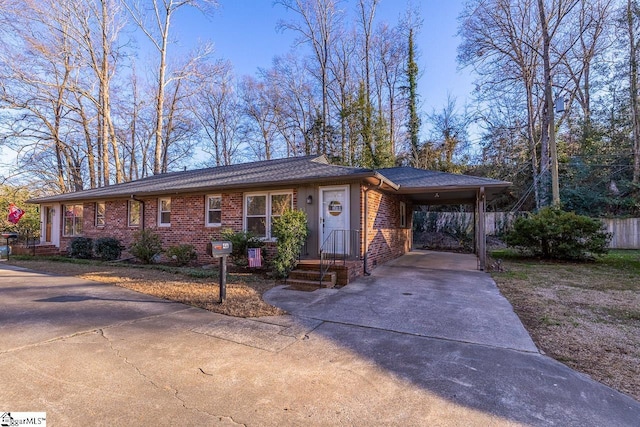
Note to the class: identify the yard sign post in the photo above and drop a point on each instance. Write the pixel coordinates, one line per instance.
(221, 250)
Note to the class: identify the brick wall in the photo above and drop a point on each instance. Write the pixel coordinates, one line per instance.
(385, 239)
(188, 224)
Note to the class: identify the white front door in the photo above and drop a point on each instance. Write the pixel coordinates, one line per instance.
(334, 215)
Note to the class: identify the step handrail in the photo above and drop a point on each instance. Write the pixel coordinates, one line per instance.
(339, 245)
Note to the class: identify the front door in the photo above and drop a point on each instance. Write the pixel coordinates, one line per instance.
(334, 217)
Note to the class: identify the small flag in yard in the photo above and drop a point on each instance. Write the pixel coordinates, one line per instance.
(255, 260)
(15, 213)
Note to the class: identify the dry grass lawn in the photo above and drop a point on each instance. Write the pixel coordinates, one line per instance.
(586, 315)
(244, 290)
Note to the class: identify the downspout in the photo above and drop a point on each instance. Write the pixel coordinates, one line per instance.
(133, 197)
(366, 214)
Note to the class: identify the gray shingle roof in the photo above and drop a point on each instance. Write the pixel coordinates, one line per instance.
(293, 170)
(411, 178)
(263, 173)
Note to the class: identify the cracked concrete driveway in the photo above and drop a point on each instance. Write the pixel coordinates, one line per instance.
(94, 354)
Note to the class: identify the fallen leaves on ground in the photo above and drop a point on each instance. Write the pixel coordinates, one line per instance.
(586, 315)
(243, 296)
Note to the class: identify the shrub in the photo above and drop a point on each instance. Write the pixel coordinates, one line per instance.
(107, 248)
(241, 241)
(290, 230)
(182, 254)
(146, 246)
(555, 234)
(81, 247)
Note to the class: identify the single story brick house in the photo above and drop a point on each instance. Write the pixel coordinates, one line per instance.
(364, 211)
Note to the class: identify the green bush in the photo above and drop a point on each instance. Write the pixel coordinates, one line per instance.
(182, 254)
(290, 230)
(107, 248)
(241, 241)
(555, 234)
(146, 246)
(81, 247)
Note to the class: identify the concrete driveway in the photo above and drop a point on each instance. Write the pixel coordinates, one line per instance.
(409, 345)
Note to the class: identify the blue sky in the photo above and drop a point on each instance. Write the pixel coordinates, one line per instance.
(244, 32)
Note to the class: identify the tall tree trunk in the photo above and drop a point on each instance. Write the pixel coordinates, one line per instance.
(548, 117)
(157, 159)
(633, 87)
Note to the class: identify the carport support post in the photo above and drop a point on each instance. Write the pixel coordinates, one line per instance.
(481, 243)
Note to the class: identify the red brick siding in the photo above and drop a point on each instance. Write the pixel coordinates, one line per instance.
(385, 239)
(188, 224)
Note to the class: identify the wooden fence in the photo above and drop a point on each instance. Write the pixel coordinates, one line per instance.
(626, 232)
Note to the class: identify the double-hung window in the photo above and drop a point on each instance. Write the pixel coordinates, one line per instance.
(214, 211)
(73, 220)
(100, 214)
(134, 213)
(262, 208)
(164, 212)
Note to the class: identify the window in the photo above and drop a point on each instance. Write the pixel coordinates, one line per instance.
(403, 215)
(72, 220)
(100, 214)
(164, 212)
(135, 210)
(262, 208)
(214, 211)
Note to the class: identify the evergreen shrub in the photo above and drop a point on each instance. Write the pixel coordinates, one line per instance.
(81, 247)
(556, 234)
(290, 231)
(146, 246)
(107, 248)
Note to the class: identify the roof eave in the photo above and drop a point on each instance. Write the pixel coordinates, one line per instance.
(80, 197)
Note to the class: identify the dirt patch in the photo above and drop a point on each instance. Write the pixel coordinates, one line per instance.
(586, 315)
(244, 290)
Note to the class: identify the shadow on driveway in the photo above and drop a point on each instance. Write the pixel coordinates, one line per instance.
(435, 320)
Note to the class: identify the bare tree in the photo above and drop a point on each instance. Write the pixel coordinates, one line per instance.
(294, 103)
(632, 13)
(320, 20)
(260, 127)
(520, 45)
(99, 23)
(38, 69)
(156, 25)
(390, 50)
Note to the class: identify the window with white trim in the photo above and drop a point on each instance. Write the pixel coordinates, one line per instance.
(260, 209)
(214, 210)
(164, 212)
(134, 213)
(100, 214)
(403, 215)
(72, 220)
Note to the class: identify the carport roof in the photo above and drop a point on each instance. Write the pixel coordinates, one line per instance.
(281, 172)
(433, 187)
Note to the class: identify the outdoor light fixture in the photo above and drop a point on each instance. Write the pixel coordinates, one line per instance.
(309, 199)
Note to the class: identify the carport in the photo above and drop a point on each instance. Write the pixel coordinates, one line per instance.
(425, 187)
